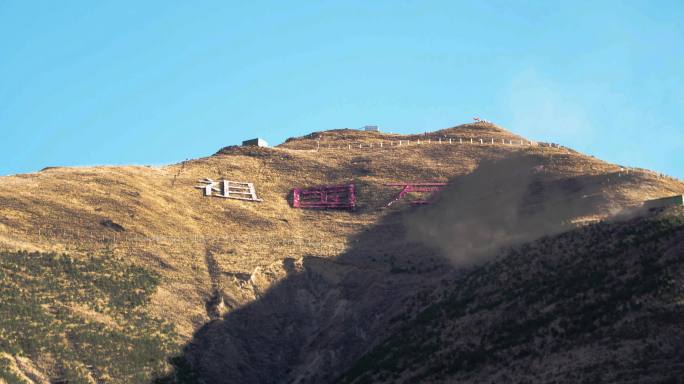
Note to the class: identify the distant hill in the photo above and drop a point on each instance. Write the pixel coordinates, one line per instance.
(263, 291)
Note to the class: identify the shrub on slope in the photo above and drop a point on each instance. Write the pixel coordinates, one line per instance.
(80, 320)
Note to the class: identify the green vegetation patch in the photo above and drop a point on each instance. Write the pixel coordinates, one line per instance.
(83, 319)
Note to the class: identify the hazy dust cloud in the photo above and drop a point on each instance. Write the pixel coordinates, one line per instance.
(502, 203)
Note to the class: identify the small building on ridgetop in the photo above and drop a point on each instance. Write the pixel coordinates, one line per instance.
(258, 142)
(672, 201)
(371, 128)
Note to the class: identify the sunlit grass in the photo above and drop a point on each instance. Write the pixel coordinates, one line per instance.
(87, 317)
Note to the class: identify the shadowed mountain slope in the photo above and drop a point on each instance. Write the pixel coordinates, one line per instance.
(600, 304)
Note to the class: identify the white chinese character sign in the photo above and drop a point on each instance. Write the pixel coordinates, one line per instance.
(229, 189)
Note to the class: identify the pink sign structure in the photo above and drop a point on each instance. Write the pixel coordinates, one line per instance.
(325, 197)
(423, 187)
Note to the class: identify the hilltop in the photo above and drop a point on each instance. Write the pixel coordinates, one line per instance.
(268, 292)
(345, 137)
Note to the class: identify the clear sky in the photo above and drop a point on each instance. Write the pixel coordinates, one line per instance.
(155, 82)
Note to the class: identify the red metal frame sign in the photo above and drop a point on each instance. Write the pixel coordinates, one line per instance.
(325, 197)
(423, 187)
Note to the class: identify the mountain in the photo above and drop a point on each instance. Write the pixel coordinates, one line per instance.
(102, 261)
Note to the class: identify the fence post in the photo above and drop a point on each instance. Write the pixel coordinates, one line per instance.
(450, 140)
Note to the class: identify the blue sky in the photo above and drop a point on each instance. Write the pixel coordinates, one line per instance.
(155, 82)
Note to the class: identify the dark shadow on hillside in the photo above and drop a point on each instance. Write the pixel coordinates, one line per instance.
(320, 318)
(325, 314)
